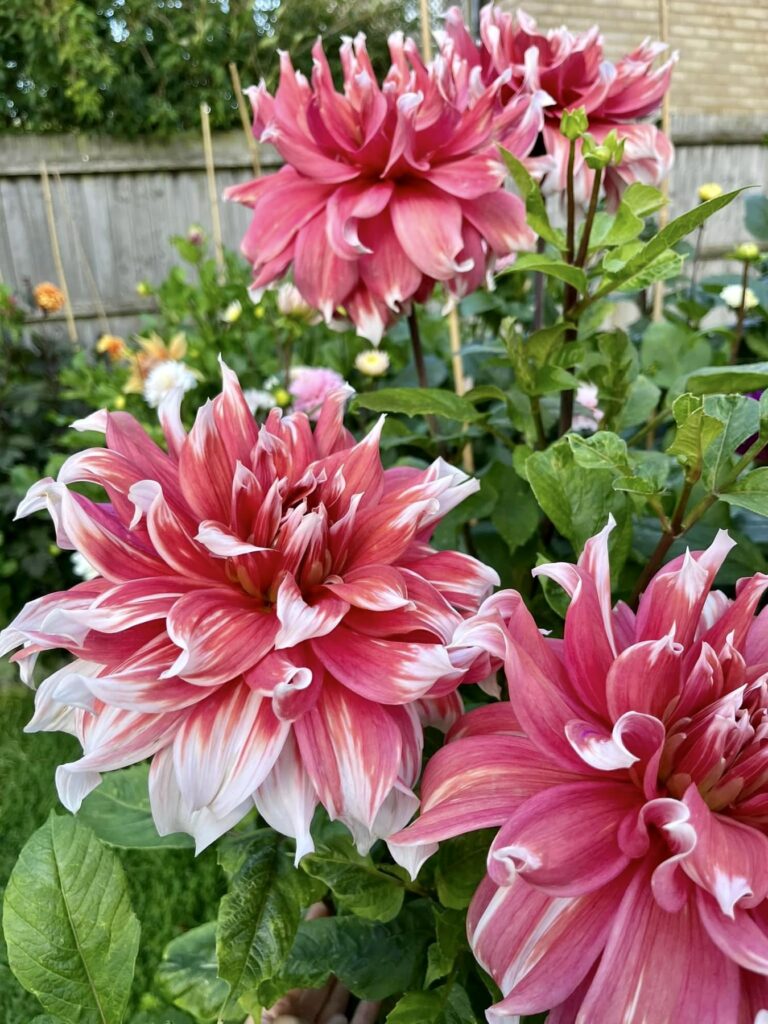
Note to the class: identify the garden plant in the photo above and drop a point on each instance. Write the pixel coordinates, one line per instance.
(452, 658)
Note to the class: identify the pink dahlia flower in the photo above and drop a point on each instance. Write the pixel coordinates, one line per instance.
(558, 71)
(629, 775)
(269, 623)
(386, 189)
(310, 386)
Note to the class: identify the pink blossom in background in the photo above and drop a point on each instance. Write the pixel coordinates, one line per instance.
(269, 622)
(549, 73)
(310, 386)
(629, 776)
(386, 189)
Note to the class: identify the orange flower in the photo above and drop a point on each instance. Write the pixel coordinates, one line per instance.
(113, 345)
(48, 297)
(153, 351)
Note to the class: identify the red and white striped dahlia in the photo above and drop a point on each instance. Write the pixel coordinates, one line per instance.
(269, 623)
(386, 189)
(629, 775)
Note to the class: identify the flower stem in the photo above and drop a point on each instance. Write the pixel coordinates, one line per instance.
(418, 360)
(570, 295)
(538, 291)
(594, 198)
(738, 333)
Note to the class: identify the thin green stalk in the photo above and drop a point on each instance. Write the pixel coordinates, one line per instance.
(594, 198)
(738, 333)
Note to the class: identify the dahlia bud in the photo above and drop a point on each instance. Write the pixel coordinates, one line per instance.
(574, 123)
(195, 235)
(144, 288)
(291, 303)
(747, 252)
(710, 190)
(608, 153)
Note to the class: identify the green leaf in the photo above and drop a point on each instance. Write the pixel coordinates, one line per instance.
(638, 202)
(740, 419)
(551, 267)
(535, 207)
(187, 976)
(641, 401)
(669, 236)
(603, 450)
(419, 402)
(750, 491)
(460, 866)
(374, 960)
(448, 1004)
(713, 380)
(670, 352)
(695, 431)
(119, 813)
(355, 881)
(71, 933)
(515, 514)
(451, 939)
(756, 217)
(259, 916)
(668, 264)
(578, 501)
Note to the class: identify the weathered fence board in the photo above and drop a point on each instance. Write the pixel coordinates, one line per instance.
(117, 203)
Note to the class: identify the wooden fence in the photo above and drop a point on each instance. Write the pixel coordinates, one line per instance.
(117, 203)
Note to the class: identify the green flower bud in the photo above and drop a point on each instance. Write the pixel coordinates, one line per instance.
(574, 123)
(747, 252)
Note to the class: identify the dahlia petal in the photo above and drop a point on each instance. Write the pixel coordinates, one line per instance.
(51, 715)
(171, 813)
(671, 819)
(634, 737)
(350, 747)
(741, 937)
(471, 178)
(538, 948)
(488, 720)
(323, 278)
(500, 219)
(544, 841)
(112, 738)
(478, 782)
(427, 223)
(225, 748)
(280, 212)
(300, 621)
(728, 859)
(660, 964)
(286, 799)
(387, 671)
(368, 313)
(388, 273)
(646, 678)
(461, 579)
(223, 542)
(348, 204)
(377, 588)
(221, 633)
(129, 604)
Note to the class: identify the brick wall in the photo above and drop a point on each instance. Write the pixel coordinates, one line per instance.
(723, 65)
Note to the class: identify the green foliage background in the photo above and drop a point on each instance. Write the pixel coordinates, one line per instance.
(137, 67)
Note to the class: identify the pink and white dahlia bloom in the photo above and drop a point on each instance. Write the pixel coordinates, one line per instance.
(561, 70)
(629, 775)
(386, 189)
(269, 623)
(311, 386)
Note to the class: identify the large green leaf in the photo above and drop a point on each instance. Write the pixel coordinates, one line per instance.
(259, 916)
(71, 933)
(188, 977)
(712, 380)
(373, 959)
(740, 419)
(447, 1004)
(419, 402)
(750, 492)
(551, 267)
(459, 867)
(535, 207)
(670, 352)
(119, 812)
(669, 236)
(668, 264)
(356, 883)
(638, 202)
(756, 217)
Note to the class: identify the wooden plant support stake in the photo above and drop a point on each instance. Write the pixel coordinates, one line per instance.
(56, 252)
(658, 291)
(426, 36)
(213, 198)
(253, 146)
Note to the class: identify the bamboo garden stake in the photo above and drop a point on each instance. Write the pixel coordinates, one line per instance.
(253, 146)
(658, 293)
(56, 251)
(213, 198)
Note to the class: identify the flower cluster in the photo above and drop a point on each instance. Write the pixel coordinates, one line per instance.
(558, 71)
(628, 774)
(267, 620)
(386, 189)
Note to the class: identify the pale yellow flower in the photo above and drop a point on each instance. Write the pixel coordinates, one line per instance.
(373, 363)
(710, 190)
